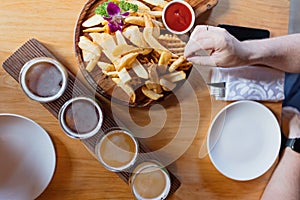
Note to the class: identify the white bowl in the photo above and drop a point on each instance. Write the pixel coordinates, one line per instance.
(113, 131)
(191, 10)
(27, 158)
(78, 135)
(31, 64)
(148, 167)
(244, 140)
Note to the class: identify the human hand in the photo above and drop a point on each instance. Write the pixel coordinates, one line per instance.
(291, 122)
(226, 50)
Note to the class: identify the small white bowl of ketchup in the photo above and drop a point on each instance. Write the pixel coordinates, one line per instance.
(178, 17)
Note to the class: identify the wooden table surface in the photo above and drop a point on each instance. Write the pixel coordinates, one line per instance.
(78, 175)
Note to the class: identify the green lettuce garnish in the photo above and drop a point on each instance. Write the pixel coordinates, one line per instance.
(101, 9)
(124, 6)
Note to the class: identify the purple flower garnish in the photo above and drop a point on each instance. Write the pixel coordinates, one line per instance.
(115, 19)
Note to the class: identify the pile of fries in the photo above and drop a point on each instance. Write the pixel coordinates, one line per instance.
(138, 52)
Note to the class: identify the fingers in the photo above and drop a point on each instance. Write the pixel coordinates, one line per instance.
(193, 44)
(199, 29)
(205, 41)
(191, 47)
(202, 60)
(203, 37)
(205, 28)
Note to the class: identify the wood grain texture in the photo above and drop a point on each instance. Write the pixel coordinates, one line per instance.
(78, 175)
(202, 6)
(267, 14)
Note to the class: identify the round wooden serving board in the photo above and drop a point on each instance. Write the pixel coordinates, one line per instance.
(103, 84)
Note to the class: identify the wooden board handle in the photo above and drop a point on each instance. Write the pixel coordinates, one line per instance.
(201, 6)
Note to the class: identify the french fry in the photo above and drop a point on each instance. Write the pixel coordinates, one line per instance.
(159, 3)
(144, 60)
(106, 66)
(156, 31)
(175, 76)
(148, 21)
(173, 43)
(147, 33)
(125, 61)
(178, 51)
(167, 85)
(87, 45)
(164, 58)
(124, 75)
(110, 56)
(139, 70)
(93, 21)
(150, 94)
(120, 39)
(139, 21)
(153, 58)
(173, 59)
(172, 40)
(135, 20)
(133, 34)
(124, 49)
(92, 63)
(153, 75)
(163, 62)
(126, 88)
(146, 51)
(95, 30)
(107, 42)
(153, 86)
(185, 66)
(158, 23)
(87, 55)
(156, 53)
(157, 8)
(176, 64)
(113, 74)
(156, 14)
(153, 43)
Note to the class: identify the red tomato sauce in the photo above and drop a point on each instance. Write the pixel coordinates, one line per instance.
(178, 17)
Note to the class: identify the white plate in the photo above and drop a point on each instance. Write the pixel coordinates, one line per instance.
(244, 140)
(27, 158)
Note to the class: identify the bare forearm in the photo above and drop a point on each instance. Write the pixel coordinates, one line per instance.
(282, 53)
(285, 182)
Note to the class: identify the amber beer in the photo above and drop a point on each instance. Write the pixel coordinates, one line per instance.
(117, 150)
(150, 181)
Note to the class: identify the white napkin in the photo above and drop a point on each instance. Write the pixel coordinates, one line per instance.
(250, 83)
